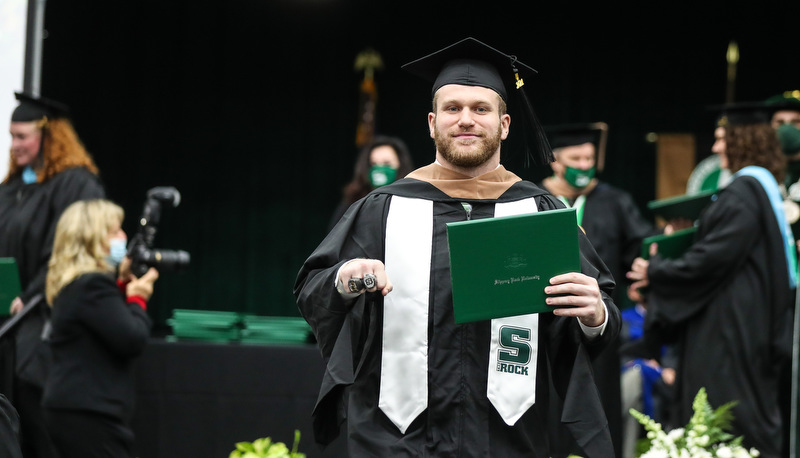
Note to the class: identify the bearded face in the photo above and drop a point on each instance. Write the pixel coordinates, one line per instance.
(468, 125)
(470, 152)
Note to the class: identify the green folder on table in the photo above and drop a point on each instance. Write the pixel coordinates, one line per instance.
(500, 266)
(687, 206)
(670, 246)
(9, 284)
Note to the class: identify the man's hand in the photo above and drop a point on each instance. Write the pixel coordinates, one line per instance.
(358, 268)
(581, 298)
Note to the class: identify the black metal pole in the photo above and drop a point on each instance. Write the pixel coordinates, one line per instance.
(34, 41)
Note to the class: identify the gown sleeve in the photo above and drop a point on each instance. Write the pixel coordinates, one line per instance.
(726, 235)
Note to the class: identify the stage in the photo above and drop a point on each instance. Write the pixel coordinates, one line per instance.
(198, 399)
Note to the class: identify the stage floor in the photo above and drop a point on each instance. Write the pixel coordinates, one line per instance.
(198, 399)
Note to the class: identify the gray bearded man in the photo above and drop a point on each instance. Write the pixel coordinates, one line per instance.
(402, 377)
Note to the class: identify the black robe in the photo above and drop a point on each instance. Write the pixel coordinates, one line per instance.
(728, 304)
(459, 419)
(9, 430)
(28, 217)
(616, 228)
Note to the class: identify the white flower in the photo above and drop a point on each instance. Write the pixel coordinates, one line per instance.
(724, 452)
(675, 434)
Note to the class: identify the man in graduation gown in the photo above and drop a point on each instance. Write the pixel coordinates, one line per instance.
(614, 225)
(402, 377)
(727, 301)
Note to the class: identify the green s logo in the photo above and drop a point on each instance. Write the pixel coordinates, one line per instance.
(514, 346)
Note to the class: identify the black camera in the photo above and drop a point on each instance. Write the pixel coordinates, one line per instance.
(140, 249)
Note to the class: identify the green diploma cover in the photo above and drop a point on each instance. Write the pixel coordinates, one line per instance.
(670, 246)
(500, 266)
(688, 206)
(9, 284)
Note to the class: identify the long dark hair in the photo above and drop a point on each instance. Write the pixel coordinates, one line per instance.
(360, 185)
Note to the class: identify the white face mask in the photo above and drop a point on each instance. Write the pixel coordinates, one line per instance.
(118, 250)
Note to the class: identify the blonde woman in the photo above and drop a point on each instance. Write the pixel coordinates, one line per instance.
(99, 327)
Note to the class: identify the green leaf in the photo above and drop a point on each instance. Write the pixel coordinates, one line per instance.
(244, 446)
(261, 445)
(265, 448)
(296, 442)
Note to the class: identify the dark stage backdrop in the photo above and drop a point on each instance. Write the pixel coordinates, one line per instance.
(249, 107)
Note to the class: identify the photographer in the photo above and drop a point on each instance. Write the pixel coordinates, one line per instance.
(99, 327)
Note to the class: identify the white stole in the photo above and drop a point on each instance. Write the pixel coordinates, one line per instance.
(404, 363)
(514, 348)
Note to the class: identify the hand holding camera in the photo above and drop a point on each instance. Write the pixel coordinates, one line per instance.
(143, 286)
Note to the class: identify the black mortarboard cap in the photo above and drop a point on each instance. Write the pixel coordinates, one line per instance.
(470, 62)
(596, 133)
(789, 100)
(32, 108)
(736, 114)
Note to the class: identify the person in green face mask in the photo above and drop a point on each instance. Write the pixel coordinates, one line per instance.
(785, 119)
(614, 225)
(380, 162)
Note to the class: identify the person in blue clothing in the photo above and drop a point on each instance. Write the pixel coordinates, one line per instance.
(647, 383)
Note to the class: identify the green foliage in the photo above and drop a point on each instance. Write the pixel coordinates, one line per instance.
(265, 448)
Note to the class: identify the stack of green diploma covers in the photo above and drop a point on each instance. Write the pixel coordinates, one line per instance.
(275, 330)
(500, 266)
(225, 326)
(205, 325)
(9, 284)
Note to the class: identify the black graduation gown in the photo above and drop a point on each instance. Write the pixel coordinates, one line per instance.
(616, 228)
(28, 217)
(459, 419)
(728, 303)
(9, 430)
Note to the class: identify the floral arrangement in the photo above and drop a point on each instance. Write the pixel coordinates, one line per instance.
(704, 437)
(265, 448)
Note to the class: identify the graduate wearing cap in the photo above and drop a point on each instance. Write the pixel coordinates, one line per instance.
(784, 111)
(402, 378)
(612, 222)
(49, 169)
(727, 302)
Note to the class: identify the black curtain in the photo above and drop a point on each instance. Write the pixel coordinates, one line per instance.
(249, 108)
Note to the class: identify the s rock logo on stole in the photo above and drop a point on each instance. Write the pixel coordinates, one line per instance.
(514, 353)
